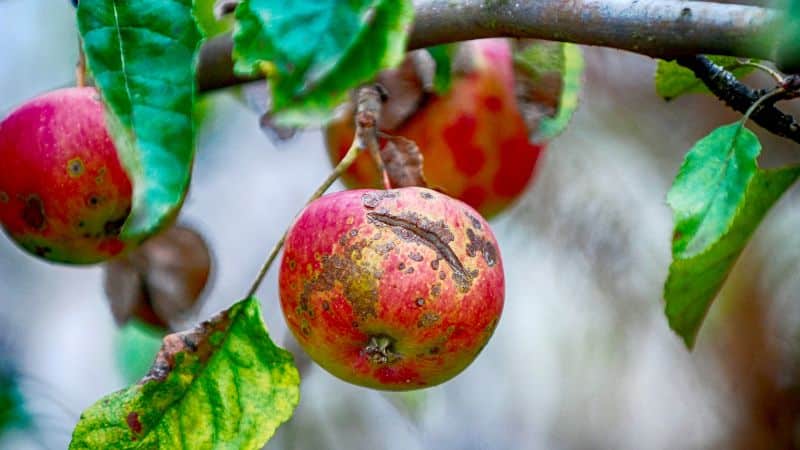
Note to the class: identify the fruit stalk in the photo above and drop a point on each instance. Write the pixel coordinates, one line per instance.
(370, 99)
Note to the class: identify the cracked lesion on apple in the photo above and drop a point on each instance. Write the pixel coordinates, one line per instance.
(410, 226)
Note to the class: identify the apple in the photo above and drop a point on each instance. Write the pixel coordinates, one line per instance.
(63, 194)
(473, 139)
(391, 289)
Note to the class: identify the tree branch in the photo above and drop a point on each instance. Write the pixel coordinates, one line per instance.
(740, 97)
(659, 28)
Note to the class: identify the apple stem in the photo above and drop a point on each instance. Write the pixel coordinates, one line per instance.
(370, 99)
(80, 66)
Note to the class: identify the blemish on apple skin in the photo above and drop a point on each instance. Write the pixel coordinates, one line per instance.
(3, 197)
(33, 213)
(75, 167)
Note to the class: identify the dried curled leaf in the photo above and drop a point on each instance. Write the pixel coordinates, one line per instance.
(161, 281)
(547, 85)
(403, 162)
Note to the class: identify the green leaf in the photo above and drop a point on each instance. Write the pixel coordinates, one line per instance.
(443, 76)
(673, 80)
(207, 21)
(314, 52)
(141, 54)
(548, 77)
(718, 199)
(135, 345)
(222, 385)
(787, 54)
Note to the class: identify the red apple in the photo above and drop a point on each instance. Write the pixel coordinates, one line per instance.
(473, 139)
(63, 193)
(394, 290)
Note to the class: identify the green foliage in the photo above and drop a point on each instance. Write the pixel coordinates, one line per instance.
(673, 80)
(135, 346)
(788, 38)
(718, 199)
(314, 52)
(12, 411)
(141, 54)
(552, 70)
(443, 76)
(203, 11)
(222, 385)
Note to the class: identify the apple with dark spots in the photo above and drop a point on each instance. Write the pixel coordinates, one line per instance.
(391, 289)
(63, 194)
(473, 139)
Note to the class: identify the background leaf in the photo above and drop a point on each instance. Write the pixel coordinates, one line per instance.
(718, 199)
(222, 385)
(141, 54)
(548, 77)
(443, 58)
(673, 80)
(315, 52)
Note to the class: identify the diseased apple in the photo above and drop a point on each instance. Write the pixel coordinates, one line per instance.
(473, 139)
(63, 193)
(391, 289)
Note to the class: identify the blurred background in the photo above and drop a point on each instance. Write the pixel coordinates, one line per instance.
(582, 358)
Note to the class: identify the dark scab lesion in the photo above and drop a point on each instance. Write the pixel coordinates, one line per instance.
(415, 256)
(433, 234)
(93, 200)
(410, 270)
(113, 226)
(75, 167)
(426, 195)
(481, 244)
(475, 222)
(42, 250)
(427, 319)
(3, 197)
(33, 213)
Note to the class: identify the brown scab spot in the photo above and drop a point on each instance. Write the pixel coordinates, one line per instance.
(101, 176)
(427, 319)
(42, 250)
(401, 266)
(93, 200)
(442, 275)
(353, 233)
(133, 422)
(370, 200)
(436, 289)
(435, 264)
(3, 197)
(410, 270)
(113, 226)
(75, 167)
(415, 256)
(33, 212)
(434, 350)
(433, 234)
(482, 245)
(475, 222)
(420, 302)
(326, 306)
(292, 264)
(426, 195)
(359, 286)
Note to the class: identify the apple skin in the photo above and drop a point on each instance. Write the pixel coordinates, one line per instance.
(63, 194)
(393, 290)
(473, 139)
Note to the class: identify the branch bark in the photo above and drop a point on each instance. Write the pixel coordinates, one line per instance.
(740, 97)
(658, 28)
